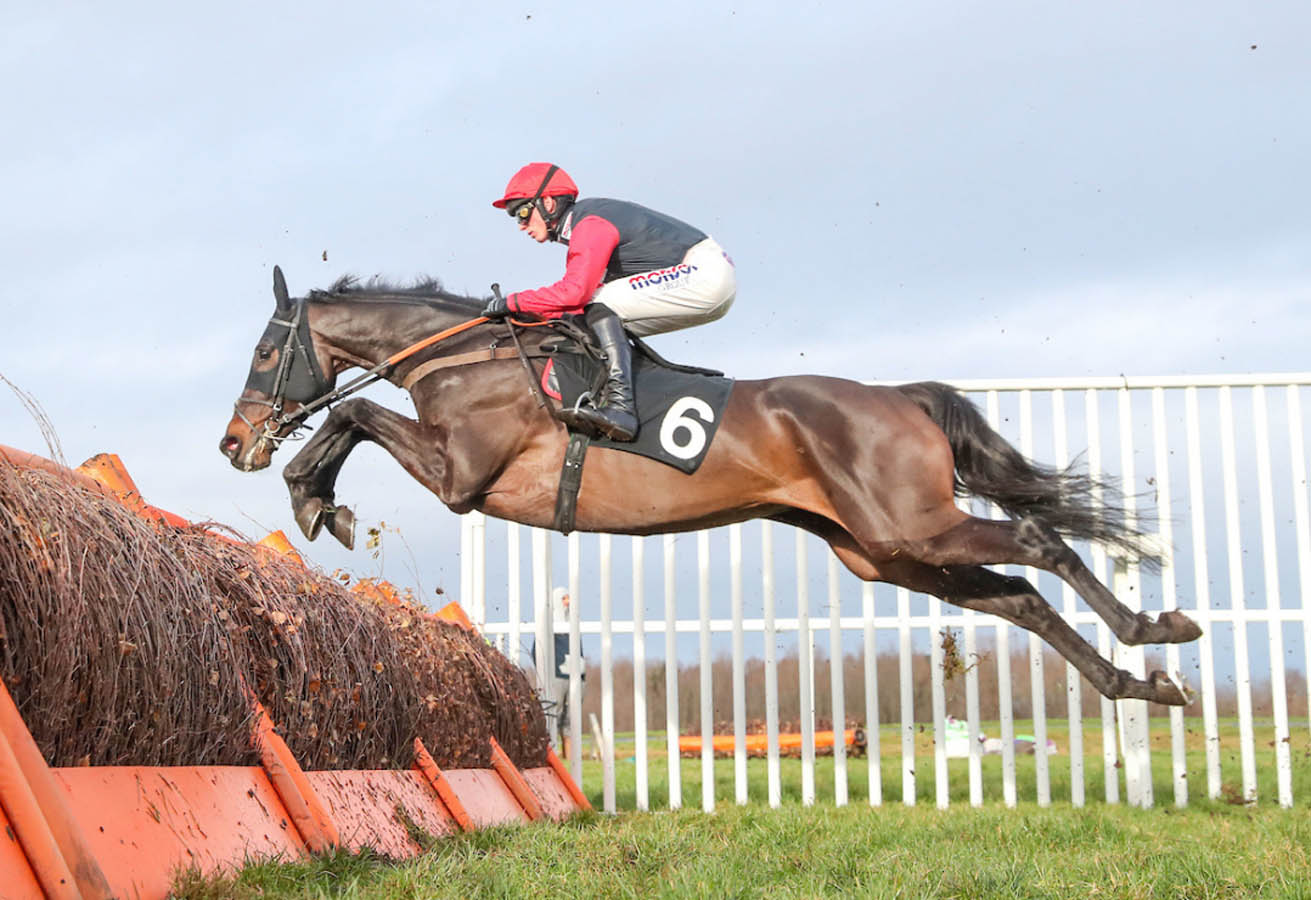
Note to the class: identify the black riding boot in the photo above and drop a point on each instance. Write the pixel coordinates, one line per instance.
(615, 416)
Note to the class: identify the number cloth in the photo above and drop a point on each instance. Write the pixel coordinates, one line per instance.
(679, 411)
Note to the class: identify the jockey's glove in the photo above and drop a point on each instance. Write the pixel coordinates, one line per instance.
(497, 308)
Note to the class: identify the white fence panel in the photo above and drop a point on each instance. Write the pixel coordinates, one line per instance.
(1303, 518)
(1005, 700)
(740, 783)
(1169, 593)
(872, 724)
(640, 779)
(1073, 683)
(675, 767)
(1202, 597)
(773, 766)
(707, 685)
(837, 689)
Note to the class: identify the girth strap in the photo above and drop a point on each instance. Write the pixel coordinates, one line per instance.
(571, 479)
(487, 354)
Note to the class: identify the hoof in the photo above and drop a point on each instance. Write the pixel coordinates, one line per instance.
(1167, 692)
(1182, 628)
(310, 516)
(341, 522)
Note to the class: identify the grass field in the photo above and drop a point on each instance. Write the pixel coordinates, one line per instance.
(958, 771)
(1211, 849)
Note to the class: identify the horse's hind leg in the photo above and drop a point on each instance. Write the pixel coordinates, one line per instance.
(1016, 601)
(1028, 542)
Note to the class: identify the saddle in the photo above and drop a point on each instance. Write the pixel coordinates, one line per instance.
(679, 407)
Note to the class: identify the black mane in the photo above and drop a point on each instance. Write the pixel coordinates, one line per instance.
(424, 290)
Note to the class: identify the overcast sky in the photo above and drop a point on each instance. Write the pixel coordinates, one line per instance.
(941, 190)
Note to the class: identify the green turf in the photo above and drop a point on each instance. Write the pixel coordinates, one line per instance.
(1213, 848)
(894, 851)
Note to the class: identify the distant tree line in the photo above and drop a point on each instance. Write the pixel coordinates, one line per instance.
(888, 667)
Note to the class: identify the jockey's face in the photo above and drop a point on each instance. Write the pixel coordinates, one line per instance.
(534, 225)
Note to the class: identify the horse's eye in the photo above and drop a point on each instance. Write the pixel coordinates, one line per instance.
(264, 354)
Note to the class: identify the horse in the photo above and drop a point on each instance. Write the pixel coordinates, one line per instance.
(872, 470)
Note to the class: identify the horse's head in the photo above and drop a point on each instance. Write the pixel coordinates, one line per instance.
(285, 374)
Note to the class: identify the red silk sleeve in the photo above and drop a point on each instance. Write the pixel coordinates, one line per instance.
(590, 245)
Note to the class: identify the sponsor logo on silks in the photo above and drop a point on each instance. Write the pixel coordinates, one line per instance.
(661, 276)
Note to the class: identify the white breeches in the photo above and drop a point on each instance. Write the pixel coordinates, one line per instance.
(700, 289)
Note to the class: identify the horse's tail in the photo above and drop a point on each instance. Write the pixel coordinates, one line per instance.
(1073, 503)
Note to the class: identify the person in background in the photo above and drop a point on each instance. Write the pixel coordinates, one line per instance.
(556, 691)
(627, 266)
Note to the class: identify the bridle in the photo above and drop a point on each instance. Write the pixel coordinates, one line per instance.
(296, 347)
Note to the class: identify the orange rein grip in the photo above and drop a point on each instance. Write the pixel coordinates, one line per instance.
(430, 771)
(443, 335)
(432, 339)
(88, 880)
(303, 805)
(32, 830)
(515, 781)
(567, 780)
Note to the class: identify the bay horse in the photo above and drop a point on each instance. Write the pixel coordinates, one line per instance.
(871, 470)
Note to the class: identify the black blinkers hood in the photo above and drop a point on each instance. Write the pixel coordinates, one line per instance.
(302, 377)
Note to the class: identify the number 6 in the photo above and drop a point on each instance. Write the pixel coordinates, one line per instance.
(677, 418)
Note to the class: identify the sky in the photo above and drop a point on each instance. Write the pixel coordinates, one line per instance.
(929, 190)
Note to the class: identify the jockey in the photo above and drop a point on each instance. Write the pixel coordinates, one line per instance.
(626, 266)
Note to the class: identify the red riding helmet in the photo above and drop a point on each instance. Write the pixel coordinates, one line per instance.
(536, 180)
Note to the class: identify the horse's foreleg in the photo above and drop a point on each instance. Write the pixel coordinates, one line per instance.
(1030, 543)
(1016, 601)
(311, 476)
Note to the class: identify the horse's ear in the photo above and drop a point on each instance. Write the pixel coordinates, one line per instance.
(280, 289)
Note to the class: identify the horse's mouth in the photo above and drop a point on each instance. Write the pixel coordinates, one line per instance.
(247, 466)
(256, 457)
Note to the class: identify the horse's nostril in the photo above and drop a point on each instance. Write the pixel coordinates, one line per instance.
(229, 445)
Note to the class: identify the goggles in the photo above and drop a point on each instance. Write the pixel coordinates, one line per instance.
(521, 212)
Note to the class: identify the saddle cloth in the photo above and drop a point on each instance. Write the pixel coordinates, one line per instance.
(679, 411)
